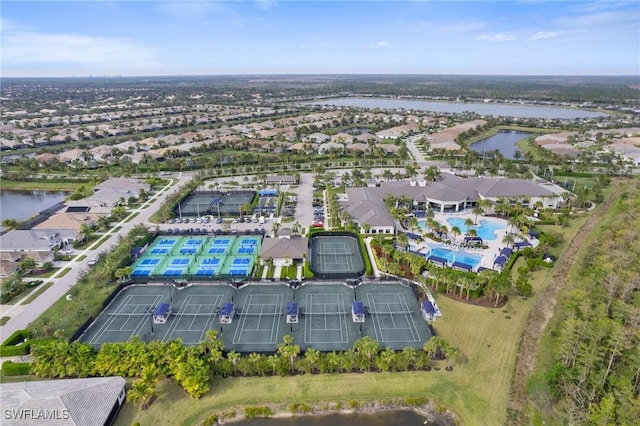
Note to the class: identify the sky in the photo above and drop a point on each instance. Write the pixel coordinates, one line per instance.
(208, 37)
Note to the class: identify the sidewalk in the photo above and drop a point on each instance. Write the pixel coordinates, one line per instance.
(374, 266)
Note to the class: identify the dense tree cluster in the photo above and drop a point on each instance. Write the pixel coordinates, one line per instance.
(595, 375)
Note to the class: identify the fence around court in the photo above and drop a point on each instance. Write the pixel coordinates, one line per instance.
(260, 321)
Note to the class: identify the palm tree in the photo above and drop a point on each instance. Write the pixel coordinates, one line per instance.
(28, 264)
(313, 357)
(432, 173)
(509, 240)
(387, 174)
(468, 223)
(141, 392)
(455, 231)
(367, 348)
(10, 224)
(288, 350)
(476, 211)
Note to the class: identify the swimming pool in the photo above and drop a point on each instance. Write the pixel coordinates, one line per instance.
(485, 230)
(456, 256)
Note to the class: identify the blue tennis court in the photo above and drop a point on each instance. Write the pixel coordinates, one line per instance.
(160, 251)
(216, 250)
(172, 272)
(166, 242)
(188, 251)
(145, 267)
(208, 267)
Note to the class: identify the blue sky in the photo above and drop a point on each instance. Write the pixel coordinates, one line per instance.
(81, 38)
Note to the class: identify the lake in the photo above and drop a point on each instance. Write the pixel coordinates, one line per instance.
(384, 418)
(503, 141)
(507, 110)
(21, 205)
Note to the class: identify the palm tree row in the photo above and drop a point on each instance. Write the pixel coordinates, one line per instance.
(192, 367)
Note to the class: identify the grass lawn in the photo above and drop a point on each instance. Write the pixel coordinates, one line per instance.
(41, 185)
(442, 386)
(64, 272)
(131, 217)
(4, 320)
(47, 274)
(37, 293)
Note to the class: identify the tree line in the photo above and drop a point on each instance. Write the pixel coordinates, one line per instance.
(192, 367)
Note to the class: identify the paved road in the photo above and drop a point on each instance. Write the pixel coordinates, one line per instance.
(23, 315)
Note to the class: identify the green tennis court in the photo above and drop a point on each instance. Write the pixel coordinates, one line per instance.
(259, 318)
(335, 255)
(200, 203)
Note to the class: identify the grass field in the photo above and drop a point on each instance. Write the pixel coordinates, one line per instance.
(43, 185)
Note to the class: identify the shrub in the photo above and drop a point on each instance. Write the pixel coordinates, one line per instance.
(299, 407)
(211, 420)
(416, 401)
(354, 405)
(10, 368)
(251, 413)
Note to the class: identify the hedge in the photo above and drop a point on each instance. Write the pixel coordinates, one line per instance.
(10, 368)
(17, 337)
(14, 345)
(368, 269)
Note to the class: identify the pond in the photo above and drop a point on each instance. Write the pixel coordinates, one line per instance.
(385, 418)
(21, 205)
(504, 141)
(506, 110)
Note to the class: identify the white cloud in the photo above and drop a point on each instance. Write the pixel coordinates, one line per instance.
(192, 9)
(266, 4)
(541, 35)
(380, 43)
(498, 38)
(27, 47)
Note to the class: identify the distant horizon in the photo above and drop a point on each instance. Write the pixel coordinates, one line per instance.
(160, 38)
(319, 75)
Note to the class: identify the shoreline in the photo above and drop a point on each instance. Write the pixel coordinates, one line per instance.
(430, 411)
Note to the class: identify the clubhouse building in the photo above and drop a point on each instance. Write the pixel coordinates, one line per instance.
(449, 195)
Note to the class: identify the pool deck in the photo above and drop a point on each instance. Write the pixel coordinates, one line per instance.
(489, 254)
